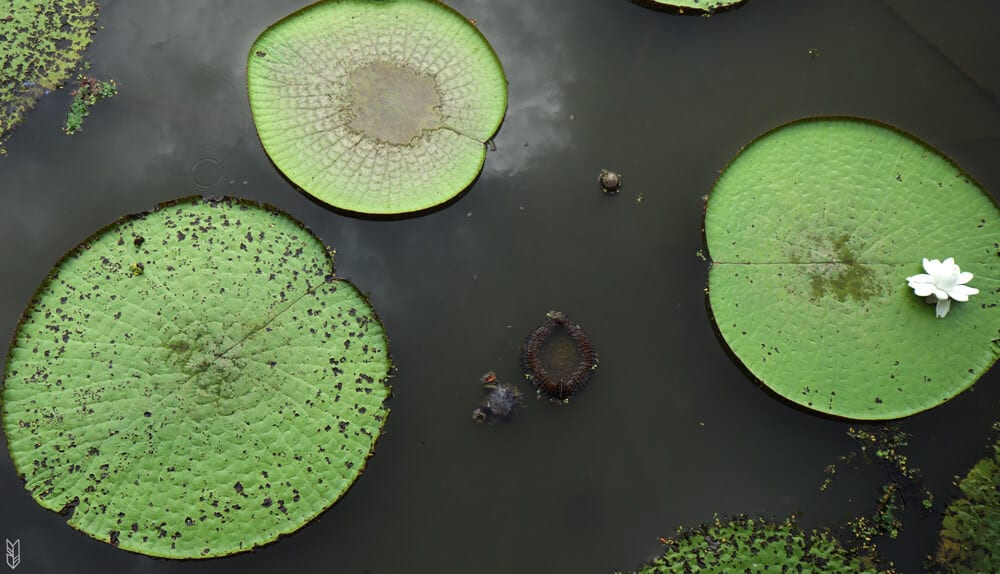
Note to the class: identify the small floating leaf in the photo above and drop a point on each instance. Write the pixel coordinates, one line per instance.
(42, 42)
(376, 106)
(699, 5)
(970, 530)
(755, 545)
(813, 230)
(194, 381)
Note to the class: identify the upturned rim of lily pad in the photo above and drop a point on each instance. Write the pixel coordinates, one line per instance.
(85, 245)
(461, 154)
(901, 287)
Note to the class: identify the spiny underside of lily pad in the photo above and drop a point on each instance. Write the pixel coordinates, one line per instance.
(195, 381)
(578, 367)
(43, 41)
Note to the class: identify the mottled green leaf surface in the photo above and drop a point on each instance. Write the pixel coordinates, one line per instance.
(699, 5)
(195, 381)
(376, 106)
(41, 42)
(812, 231)
(970, 530)
(754, 545)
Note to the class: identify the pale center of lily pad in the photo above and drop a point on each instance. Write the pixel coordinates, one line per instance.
(393, 104)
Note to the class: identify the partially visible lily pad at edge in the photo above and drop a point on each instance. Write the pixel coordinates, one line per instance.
(745, 544)
(378, 107)
(970, 529)
(813, 230)
(194, 381)
(43, 41)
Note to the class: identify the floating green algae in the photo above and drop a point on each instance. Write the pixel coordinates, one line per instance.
(88, 92)
(755, 545)
(43, 42)
(194, 381)
(823, 220)
(970, 530)
(376, 106)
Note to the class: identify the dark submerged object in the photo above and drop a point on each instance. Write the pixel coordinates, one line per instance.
(548, 380)
(610, 181)
(501, 400)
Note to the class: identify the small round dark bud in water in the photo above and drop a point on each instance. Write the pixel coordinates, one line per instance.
(610, 181)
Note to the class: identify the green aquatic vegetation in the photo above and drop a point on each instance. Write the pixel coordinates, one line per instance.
(43, 42)
(970, 530)
(825, 220)
(756, 545)
(194, 381)
(376, 106)
(699, 6)
(89, 91)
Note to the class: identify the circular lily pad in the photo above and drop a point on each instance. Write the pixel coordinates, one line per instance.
(43, 41)
(194, 381)
(813, 230)
(376, 106)
(755, 545)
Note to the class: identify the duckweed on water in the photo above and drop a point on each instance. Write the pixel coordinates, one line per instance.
(89, 91)
(43, 41)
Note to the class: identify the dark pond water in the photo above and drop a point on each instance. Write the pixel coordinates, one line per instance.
(670, 430)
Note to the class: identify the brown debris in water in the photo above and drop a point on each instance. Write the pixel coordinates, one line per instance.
(556, 387)
(500, 402)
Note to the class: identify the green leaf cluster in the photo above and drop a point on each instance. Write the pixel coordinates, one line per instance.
(970, 530)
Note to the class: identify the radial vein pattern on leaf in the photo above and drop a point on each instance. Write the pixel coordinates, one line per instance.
(380, 107)
(195, 381)
(823, 220)
(43, 41)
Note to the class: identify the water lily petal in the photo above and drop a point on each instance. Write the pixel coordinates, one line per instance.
(942, 308)
(949, 262)
(964, 277)
(962, 292)
(931, 265)
(921, 278)
(922, 289)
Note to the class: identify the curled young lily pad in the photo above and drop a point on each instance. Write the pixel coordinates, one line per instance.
(813, 230)
(195, 381)
(376, 106)
(698, 6)
(755, 545)
(43, 40)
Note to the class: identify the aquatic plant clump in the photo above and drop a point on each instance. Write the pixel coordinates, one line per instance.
(826, 220)
(376, 106)
(194, 381)
(43, 41)
(500, 402)
(970, 530)
(558, 373)
(89, 91)
(755, 545)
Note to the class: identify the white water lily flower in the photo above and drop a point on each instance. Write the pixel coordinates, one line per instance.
(943, 282)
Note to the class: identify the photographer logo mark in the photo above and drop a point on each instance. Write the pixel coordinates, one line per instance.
(13, 553)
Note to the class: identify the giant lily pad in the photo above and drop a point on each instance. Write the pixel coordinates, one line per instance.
(42, 42)
(376, 106)
(194, 381)
(970, 530)
(813, 229)
(755, 545)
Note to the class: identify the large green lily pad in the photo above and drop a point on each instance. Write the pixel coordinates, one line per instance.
(813, 229)
(194, 381)
(755, 545)
(970, 530)
(42, 41)
(376, 106)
